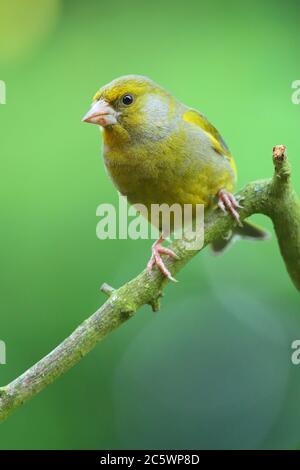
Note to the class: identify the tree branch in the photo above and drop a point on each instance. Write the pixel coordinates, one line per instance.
(274, 198)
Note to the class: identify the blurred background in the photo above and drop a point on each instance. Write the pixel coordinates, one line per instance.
(212, 369)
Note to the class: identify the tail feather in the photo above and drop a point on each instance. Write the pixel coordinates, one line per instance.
(246, 232)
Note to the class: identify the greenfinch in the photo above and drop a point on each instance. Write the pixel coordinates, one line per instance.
(159, 151)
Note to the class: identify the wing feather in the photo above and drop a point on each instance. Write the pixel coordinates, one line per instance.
(201, 121)
(217, 141)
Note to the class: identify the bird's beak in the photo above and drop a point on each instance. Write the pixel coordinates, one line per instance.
(101, 114)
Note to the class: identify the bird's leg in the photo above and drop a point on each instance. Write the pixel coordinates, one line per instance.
(156, 260)
(228, 203)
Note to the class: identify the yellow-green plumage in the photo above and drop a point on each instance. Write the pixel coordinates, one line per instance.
(162, 151)
(159, 151)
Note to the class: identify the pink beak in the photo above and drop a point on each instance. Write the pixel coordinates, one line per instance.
(101, 114)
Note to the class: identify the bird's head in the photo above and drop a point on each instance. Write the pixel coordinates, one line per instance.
(133, 103)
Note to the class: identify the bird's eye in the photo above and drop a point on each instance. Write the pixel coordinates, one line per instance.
(127, 100)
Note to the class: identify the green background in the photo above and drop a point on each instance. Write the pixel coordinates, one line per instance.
(212, 369)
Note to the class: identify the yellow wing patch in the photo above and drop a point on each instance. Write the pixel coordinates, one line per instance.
(216, 139)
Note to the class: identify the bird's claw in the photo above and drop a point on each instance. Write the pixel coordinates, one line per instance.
(228, 203)
(156, 260)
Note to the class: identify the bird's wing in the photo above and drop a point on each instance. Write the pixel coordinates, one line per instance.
(194, 117)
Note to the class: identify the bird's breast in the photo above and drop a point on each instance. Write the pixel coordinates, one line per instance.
(167, 172)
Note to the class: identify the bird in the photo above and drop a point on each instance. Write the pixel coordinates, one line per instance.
(159, 151)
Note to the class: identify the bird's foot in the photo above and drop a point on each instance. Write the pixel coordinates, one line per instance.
(228, 203)
(156, 260)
